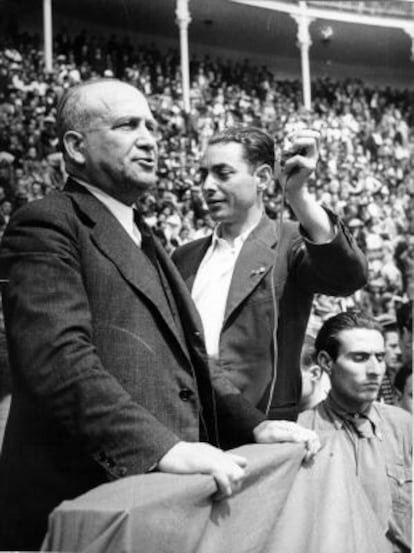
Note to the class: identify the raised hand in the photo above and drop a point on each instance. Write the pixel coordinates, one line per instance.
(299, 158)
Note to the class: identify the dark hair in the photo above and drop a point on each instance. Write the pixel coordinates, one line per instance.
(258, 145)
(389, 327)
(404, 316)
(327, 338)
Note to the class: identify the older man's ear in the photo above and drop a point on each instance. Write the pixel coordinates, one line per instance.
(73, 146)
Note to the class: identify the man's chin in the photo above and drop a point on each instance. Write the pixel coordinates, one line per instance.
(218, 216)
(145, 182)
(142, 187)
(369, 395)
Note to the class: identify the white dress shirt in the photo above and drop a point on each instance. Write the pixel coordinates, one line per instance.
(123, 213)
(211, 286)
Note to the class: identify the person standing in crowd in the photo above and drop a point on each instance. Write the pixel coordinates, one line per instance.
(393, 361)
(252, 281)
(376, 438)
(106, 349)
(315, 381)
(404, 316)
(404, 383)
(404, 379)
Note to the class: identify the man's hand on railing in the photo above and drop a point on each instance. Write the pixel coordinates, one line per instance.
(227, 469)
(272, 431)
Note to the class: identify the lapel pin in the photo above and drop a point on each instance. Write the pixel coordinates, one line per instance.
(258, 271)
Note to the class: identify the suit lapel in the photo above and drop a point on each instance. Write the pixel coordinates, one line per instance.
(188, 312)
(255, 260)
(113, 241)
(193, 258)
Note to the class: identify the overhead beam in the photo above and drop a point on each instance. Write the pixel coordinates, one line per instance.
(329, 14)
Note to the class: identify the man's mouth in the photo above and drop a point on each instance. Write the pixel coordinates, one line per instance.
(147, 162)
(212, 203)
(372, 385)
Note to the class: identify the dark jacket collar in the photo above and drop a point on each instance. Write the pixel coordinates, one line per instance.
(109, 236)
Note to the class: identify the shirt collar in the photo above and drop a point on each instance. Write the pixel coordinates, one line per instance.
(339, 415)
(217, 240)
(122, 212)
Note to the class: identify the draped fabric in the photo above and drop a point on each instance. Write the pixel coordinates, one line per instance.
(283, 507)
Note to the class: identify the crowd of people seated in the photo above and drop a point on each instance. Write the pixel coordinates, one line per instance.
(366, 171)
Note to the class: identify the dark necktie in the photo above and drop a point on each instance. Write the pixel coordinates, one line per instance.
(148, 247)
(147, 239)
(361, 424)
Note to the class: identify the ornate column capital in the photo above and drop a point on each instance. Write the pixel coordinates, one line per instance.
(182, 13)
(303, 35)
(303, 20)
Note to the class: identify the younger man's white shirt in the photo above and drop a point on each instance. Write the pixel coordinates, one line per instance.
(212, 284)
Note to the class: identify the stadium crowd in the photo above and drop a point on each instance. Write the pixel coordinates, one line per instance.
(365, 172)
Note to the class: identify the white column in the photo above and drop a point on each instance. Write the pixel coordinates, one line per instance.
(47, 34)
(304, 43)
(183, 20)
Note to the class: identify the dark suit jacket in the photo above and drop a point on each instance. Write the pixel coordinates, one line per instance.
(301, 269)
(107, 376)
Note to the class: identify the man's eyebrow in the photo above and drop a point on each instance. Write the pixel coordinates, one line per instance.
(357, 352)
(219, 166)
(365, 352)
(129, 116)
(215, 167)
(135, 119)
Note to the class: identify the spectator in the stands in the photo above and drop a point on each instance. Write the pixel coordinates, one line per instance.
(367, 141)
(315, 382)
(393, 360)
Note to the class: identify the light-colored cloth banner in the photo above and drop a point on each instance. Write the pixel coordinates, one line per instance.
(283, 507)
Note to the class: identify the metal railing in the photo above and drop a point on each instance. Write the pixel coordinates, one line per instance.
(395, 8)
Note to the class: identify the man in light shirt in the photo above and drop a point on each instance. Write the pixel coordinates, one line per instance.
(374, 439)
(252, 280)
(105, 345)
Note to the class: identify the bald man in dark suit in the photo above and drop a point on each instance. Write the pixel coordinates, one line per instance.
(106, 349)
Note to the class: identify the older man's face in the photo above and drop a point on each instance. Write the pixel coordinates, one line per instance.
(120, 146)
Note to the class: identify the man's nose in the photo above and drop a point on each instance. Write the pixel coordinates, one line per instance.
(375, 366)
(145, 137)
(209, 184)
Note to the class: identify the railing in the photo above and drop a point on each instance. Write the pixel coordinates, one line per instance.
(396, 8)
